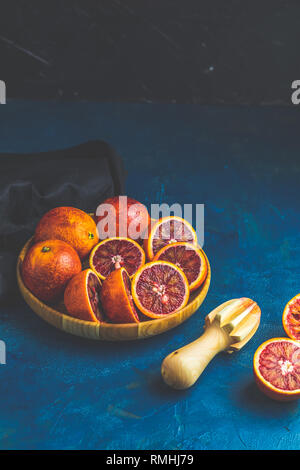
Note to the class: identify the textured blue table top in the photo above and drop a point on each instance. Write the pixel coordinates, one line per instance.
(62, 392)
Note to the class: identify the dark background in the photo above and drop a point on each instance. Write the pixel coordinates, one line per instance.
(192, 51)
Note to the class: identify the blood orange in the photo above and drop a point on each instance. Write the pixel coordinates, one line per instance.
(291, 318)
(82, 296)
(114, 253)
(47, 268)
(276, 367)
(116, 298)
(71, 225)
(160, 288)
(189, 258)
(122, 216)
(168, 230)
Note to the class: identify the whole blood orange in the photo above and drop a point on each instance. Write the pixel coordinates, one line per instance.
(160, 288)
(122, 216)
(115, 253)
(168, 230)
(82, 296)
(291, 318)
(276, 366)
(189, 258)
(70, 225)
(47, 268)
(116, 298)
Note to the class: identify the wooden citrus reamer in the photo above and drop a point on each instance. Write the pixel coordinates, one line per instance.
(228, 327)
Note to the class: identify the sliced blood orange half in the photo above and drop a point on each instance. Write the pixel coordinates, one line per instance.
(114, 253)
(116, 298)
(160, 288)
(168, 230)
(82, 296)
(291, 318)
(189, 258)
(277, 368)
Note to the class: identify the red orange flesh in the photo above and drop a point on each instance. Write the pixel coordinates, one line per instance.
(189, 258)
(276, 366)
(115, 253)
(168, 230)
(160, 288)
(291, 318)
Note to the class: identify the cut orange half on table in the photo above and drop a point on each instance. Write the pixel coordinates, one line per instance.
(160, 288)
(291, 318)
(189, 258)
(116, 298)
(276, 367)
(114, 253)
(168, 230)
(82, 296)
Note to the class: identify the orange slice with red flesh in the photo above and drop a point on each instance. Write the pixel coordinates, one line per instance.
(116, 298)
(291, 318)
(114, 253)
(168, 230)
(189, 258)
(276, 366)
(160, 288)
(82, 296)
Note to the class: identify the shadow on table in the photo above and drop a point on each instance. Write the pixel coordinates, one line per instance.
(248, 396)
(158, 387)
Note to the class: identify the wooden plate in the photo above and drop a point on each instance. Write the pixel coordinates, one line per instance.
(58, 317)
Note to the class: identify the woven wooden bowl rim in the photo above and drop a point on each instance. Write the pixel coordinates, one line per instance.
(110, 331)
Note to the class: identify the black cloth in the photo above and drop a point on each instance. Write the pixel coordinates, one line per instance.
(31, 184)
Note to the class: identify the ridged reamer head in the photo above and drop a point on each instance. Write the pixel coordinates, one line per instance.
(239, 318)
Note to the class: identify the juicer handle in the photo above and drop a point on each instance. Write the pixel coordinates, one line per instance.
(183, 367)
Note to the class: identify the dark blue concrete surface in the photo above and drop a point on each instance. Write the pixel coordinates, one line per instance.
(59, 391)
